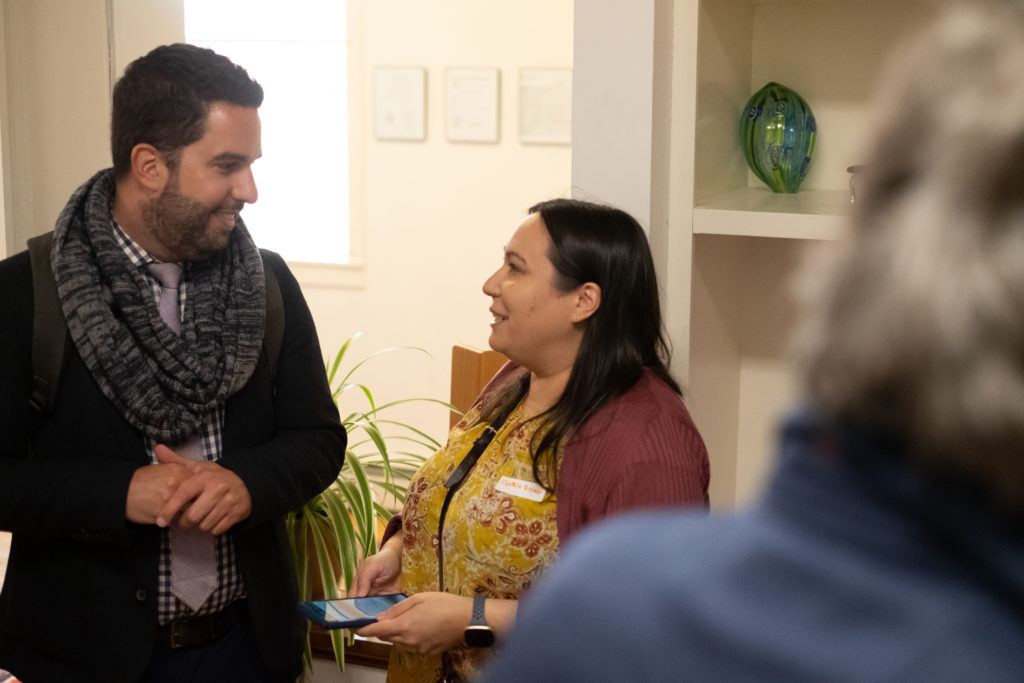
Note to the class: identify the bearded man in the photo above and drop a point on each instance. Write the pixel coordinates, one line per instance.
(147, 505)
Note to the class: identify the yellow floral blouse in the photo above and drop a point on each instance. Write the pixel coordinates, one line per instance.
(499, 532)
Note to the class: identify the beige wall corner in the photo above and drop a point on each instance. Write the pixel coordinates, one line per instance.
(57, 108)
(140, 25)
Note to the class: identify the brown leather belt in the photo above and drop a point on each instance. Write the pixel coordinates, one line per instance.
(205, 629)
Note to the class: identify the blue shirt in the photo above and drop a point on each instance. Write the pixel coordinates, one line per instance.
(851, 568)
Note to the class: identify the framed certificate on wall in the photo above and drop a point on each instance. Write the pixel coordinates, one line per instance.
(400, 100)
(471, 112)
(545, 106)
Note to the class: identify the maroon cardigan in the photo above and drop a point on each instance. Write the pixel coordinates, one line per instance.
(639, 450)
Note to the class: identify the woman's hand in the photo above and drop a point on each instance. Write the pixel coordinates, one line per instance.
(428, 623)
(381, 573)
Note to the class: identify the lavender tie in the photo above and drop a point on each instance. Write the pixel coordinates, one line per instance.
(193, 552)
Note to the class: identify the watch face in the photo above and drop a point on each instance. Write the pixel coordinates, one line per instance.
(479, 636)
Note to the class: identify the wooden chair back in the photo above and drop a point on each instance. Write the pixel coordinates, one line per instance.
(472, 369)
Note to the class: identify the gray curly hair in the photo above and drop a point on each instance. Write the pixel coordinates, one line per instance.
(915, 323)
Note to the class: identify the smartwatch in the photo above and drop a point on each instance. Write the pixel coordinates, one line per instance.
(478, 633)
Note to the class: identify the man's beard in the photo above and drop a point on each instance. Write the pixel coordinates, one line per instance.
(181, 224)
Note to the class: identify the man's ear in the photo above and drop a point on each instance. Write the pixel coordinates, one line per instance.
(148, 167)
(588, 300)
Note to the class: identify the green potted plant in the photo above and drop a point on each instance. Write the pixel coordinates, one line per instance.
(338, 527)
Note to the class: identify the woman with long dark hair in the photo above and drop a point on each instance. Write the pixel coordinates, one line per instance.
(583, 422)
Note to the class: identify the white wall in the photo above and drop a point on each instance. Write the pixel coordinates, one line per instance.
(438, 213)
(613, 104)
(56, 135)
(139, 26)
(633, 109)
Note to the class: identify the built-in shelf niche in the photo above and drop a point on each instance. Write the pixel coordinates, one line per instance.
(748, 242)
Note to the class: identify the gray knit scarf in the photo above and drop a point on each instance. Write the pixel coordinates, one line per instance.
(163, 384)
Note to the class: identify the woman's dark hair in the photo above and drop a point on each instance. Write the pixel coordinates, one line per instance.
(606, 246)
(163, 99)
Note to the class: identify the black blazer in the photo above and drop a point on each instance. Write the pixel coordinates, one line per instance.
(79, 599)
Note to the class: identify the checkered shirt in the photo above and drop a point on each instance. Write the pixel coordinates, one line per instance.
(229, 579)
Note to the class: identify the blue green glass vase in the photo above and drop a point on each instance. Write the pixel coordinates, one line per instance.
(777, 132)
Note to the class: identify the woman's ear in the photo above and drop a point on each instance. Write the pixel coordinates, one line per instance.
(148, 167)
(588, 300)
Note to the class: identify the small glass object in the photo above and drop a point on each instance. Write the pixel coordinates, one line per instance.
(778, 133)
(853, 171)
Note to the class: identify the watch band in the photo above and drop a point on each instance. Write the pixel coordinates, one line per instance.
(479, 601)
(478, 633)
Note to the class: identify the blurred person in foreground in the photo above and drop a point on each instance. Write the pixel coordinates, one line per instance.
(586, 422)
(889, 546)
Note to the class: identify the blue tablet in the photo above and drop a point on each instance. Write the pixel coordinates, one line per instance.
(349, 612)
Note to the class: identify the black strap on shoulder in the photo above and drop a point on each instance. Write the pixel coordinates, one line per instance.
(273, 331)
(49, 328)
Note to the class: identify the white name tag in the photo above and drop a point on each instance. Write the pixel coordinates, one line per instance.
(521, 488)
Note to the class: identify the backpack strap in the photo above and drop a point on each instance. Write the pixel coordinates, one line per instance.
(49, 328)
(273, 333)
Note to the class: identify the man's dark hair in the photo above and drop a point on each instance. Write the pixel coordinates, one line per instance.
(164, 97)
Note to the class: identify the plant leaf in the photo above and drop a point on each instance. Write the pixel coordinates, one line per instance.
(337, 527)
